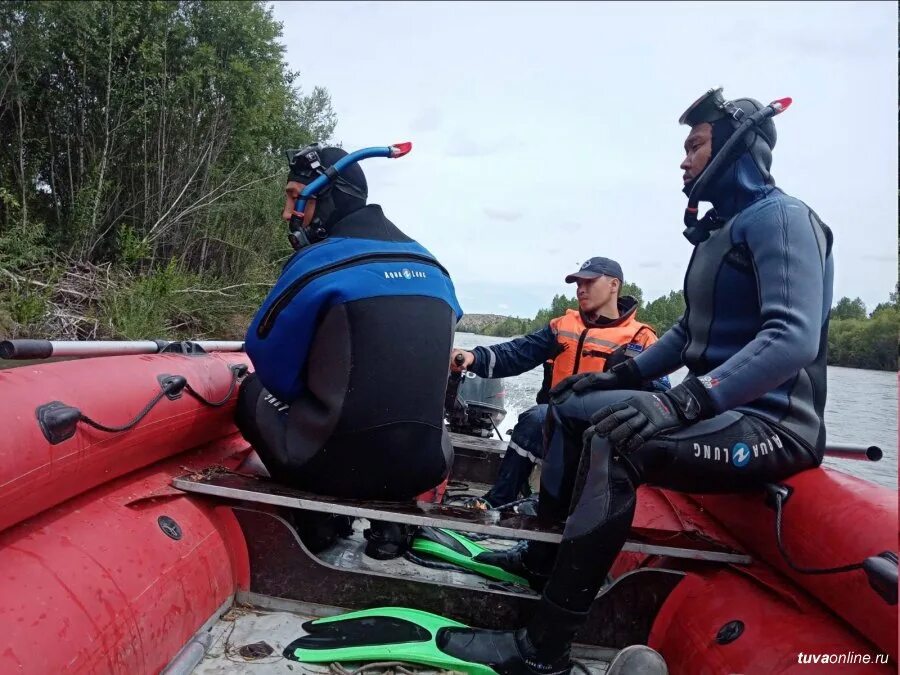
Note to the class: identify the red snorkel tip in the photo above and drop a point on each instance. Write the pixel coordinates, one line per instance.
(400, 149)
(781, 104)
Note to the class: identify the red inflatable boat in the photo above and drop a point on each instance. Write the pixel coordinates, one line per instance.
(105, 567)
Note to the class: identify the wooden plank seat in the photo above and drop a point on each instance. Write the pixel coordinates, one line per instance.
(503, 524)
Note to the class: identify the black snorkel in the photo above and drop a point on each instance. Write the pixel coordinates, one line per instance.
(708, 108)
(307, 167)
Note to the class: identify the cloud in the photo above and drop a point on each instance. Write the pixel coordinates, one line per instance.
(463, 144)
(502, 214)
(428, 119)
(511, 126)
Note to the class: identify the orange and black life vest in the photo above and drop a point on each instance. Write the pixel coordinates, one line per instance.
(596, 348)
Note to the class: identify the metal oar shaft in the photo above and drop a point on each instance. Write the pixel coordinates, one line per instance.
(43, 349)
(871, 453)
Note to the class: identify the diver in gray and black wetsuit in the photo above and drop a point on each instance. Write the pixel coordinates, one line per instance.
(758, 293)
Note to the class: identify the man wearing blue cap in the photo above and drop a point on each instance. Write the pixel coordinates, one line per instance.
(600, 334)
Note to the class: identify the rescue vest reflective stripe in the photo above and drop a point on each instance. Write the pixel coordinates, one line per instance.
(584, 349)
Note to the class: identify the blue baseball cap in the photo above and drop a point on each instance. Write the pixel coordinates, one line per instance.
(597, 267)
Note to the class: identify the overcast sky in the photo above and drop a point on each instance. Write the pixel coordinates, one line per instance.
(544, 134)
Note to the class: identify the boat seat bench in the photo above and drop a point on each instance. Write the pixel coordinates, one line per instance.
(501, 524)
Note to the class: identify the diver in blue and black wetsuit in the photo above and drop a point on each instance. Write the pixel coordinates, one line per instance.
(350, 350)
(754, 333)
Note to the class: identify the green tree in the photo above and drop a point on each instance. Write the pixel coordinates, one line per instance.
(862, 342)
(633, 290)
(663, 312)
(508, 327)
(137, 133)
(892, 304)
(160, 118)
(849, 309)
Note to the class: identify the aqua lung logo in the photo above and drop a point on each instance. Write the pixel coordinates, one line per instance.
(740, 454)
(405, 274)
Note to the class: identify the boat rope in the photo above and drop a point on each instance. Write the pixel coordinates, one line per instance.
(235, 376)
(129, 425)
(779, 506)
(170, 387)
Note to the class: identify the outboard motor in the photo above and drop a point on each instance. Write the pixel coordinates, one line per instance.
(474, 405)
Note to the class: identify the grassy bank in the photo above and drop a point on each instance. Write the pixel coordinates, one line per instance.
(142, 165)
(89, 302)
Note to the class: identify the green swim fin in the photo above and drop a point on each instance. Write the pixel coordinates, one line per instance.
(454, 548)
(381, 634)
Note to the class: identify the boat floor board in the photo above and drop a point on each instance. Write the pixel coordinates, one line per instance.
(282, 567)
(349, 554)
(503, 524)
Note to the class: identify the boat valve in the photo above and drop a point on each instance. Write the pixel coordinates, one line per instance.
(881, 570)
(776, 493)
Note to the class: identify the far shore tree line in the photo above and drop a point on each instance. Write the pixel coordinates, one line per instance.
(857, 338)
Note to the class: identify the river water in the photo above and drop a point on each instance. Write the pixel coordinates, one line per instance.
(861, 409)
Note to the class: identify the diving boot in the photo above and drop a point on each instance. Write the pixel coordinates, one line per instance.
(386, 541)
(541, 649)
(532, 561)
(318, 531)
(506, 652)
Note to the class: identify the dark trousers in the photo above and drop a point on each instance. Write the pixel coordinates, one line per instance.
(591, 487)
(525, 449)
(362, 474)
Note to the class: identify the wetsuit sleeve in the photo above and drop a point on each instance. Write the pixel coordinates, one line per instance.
(648, 339)
(789, 259)
(665, 356)
(516, 356)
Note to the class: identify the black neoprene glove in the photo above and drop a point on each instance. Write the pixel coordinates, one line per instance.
(636, 420)
(623, 376)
